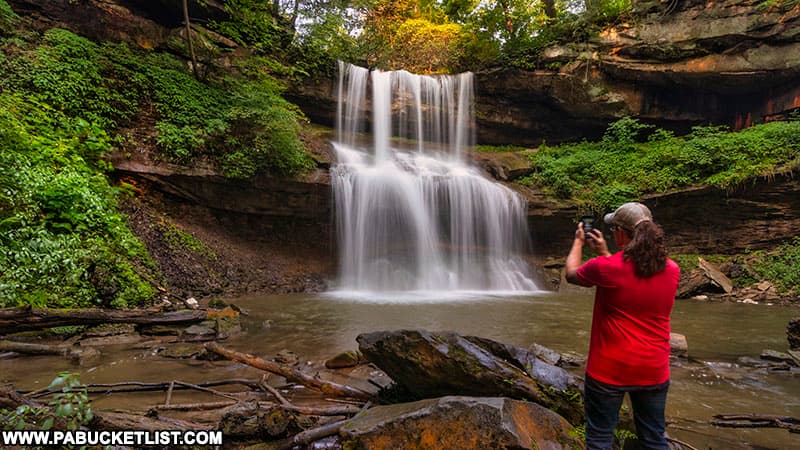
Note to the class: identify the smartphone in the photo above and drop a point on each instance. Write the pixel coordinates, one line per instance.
(588, 225)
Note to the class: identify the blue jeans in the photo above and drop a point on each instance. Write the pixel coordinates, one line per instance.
(602, 402)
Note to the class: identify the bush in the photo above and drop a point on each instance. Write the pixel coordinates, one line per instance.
(625, 164)
(62, 241)
(781, 267)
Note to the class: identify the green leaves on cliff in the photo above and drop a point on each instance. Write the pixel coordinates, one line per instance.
(627, 164)
(62, 242)
(113, 86)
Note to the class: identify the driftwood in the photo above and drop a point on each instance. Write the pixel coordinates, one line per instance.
(123, 420)
(40, 349)
(194, 406)
(103, 420)
(291, 374)
(14, 320)
(757, 421)
(346, 410)
(138, 386)
(309, 436)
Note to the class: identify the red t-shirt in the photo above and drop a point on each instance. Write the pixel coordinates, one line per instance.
(630, 326)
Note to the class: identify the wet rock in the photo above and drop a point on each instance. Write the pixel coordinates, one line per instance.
(535, 366)
(780, 357)
(344, 360)
(547, 355)
(748, 361)
(110, 329)
(203, 331)
(110, 334)
(795, 356)
(793, 334)
(249, 420)
(227, 322)
(161, 330)
(191, 303)
(328, 443)
(287, 357)
(182, 351)
(678, 346)
(459, 423)
(427, 364)
(118, 339)
(506, 166)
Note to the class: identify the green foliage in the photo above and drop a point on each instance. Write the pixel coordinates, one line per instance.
(263, 133)
(7, 17)
(255, 24)
(781, 266)
(70, 73)
(62, 242)
(422, 46)
(623, 166)
(620, 435)
(70, 408)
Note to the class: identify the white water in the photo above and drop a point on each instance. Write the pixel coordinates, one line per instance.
(412, 216)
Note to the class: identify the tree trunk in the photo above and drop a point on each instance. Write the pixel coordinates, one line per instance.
(189, 37)
(291, 374)
(550, 9)
(14, 320)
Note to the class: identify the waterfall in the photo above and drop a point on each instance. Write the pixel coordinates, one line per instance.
(411, 213)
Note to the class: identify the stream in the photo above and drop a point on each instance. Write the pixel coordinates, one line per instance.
(317, 327)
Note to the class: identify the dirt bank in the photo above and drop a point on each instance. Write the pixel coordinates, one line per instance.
(202, 252)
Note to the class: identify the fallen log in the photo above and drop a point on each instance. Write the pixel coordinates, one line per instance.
(308, 436)
(291, 374)
(26, 348)
(15, 320)
(194, 406)
(757, 421)
(138, 386)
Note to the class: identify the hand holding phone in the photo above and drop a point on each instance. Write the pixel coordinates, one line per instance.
(588, 225)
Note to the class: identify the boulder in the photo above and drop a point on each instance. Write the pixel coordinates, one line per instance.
(708, 278)
(678, 346)
(248, 420)
(715, 275)
(506, 166)
(432, 364)
(779, 357)
(459, 423)
(344, 360)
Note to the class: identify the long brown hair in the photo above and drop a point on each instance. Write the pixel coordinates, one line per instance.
(646, 249)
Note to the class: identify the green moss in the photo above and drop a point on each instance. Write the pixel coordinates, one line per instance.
(178, 238)
(780, 266)
(498, 148)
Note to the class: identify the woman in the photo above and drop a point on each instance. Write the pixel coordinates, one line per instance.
(629, 347)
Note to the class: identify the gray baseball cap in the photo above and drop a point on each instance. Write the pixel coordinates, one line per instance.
(629, 215)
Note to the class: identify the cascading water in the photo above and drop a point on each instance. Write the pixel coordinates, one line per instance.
(411, 214)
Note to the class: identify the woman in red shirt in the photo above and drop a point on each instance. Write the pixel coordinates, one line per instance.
(629, 347)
